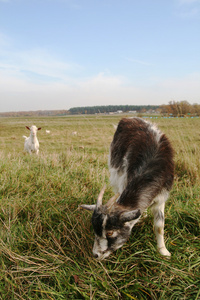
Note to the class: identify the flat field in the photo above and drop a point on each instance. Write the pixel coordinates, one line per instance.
(46, 241)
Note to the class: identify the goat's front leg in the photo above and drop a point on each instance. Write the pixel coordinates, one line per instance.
(159, 221)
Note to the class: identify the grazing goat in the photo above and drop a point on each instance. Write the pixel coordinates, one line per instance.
(141, 172)
(31, 143)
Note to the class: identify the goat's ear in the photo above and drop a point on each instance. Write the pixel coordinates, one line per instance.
(39, 128)
(88, 207)
(130, 215)
(28, 127)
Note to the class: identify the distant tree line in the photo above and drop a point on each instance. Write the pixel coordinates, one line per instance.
(180, 109)
(175, 109)
(38, 113)
(111, 108)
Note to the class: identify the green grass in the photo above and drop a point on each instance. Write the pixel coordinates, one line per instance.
(46, 241)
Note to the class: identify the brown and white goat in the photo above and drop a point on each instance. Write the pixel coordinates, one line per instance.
(141, 172)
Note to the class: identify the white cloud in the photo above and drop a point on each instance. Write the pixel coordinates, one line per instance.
(183, 2)
(4, 40)
(185, 88)
(141, 62)
(188, 9)
(36, 64)
(187, 14)
(35, 79)
(20, 94)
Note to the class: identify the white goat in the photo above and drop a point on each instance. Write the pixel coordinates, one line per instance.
(74, 133)
(31, 144)
(141, 172)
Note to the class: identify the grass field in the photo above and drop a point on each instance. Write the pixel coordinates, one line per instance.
(46, 241)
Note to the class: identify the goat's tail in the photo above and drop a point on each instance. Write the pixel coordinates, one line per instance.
(25, 137)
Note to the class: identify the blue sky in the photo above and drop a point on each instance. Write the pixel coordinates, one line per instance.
(57, 54)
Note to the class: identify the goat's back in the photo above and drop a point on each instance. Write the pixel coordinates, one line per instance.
(144, 155)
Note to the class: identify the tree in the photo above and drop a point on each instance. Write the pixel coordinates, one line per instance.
(180, 109)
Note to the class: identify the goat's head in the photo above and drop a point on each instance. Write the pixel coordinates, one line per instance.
(33, 129)
(112, 224)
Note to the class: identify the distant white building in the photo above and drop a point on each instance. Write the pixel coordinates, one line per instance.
(132, 112)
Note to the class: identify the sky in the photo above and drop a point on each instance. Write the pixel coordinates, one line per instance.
(59, 54)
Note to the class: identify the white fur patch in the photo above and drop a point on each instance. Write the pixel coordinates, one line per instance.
(100, 245)
(156, 131)
(118, 179)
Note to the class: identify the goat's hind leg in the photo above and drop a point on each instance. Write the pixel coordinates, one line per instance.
(159, 221)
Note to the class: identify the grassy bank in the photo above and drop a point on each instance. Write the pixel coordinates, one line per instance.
(46, 241)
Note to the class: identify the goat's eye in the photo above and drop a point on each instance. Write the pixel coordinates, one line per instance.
(109, 233)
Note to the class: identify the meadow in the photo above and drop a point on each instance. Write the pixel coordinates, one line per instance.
(46, 240)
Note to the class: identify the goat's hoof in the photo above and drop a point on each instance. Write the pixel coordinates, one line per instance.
(163, 251)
